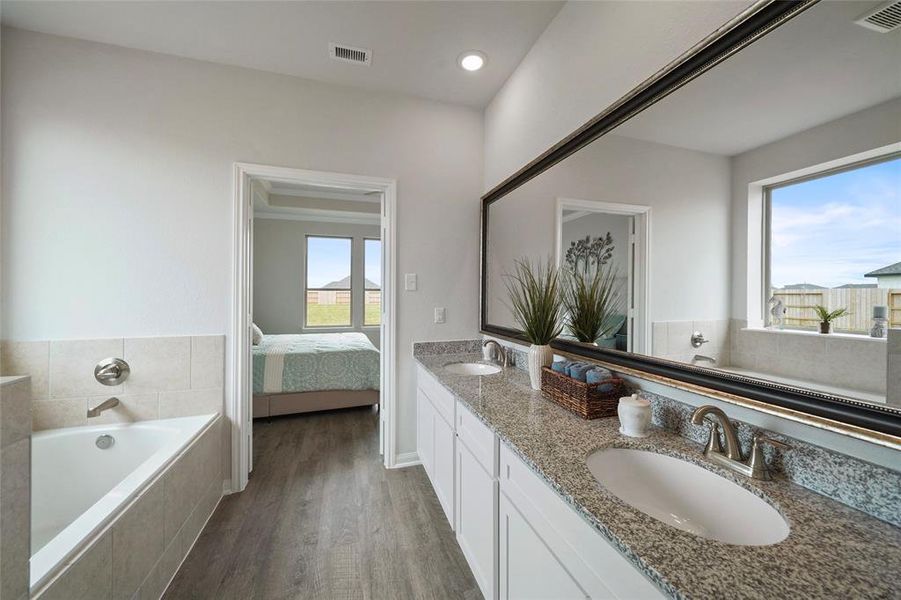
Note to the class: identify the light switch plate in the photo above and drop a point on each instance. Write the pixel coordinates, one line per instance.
(440, 314)
(410, 282)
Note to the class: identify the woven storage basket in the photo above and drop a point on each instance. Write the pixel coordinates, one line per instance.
(580, 397)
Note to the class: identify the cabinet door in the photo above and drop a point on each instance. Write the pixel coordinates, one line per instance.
(528, 568)
(425, 434)
(443, 465)
(476, 511)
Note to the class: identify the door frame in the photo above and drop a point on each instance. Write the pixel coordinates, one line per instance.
(239, 380)
(640, 258)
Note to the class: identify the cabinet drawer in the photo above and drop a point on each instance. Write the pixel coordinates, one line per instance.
(442, 400)
(480, 440)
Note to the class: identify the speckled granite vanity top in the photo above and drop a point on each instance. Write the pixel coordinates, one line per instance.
(833, 551)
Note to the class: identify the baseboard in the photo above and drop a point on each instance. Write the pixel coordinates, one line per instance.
(406, 459)
(227, 487)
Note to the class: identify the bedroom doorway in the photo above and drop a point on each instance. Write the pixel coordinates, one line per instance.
(313, 286)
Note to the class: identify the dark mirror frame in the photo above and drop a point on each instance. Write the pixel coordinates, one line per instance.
(720, 45)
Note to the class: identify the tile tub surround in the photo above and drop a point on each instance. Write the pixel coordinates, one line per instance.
(833, 551)
(855, 362)
(15, 483)
(672, 340)
(170, 377)
(139, 552)
(893, 385)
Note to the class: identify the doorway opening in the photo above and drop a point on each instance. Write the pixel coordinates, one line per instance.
(616, 235)
(313, 305)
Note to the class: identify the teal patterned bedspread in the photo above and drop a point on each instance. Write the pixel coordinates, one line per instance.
(315, 362)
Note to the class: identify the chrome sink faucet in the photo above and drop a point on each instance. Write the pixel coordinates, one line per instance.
(105, 405)
(501, 352)
(732, 459)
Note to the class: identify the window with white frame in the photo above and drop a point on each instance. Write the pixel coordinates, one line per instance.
(328, 282)
(372, 279)
(833, 240)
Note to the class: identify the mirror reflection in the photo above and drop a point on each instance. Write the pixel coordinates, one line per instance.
(749, 222)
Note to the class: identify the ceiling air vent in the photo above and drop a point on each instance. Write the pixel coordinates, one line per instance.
(884, 19)
(358, 56)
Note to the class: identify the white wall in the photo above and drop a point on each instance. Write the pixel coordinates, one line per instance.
(588, 57)
(688, 192)
(117, 190)
(279, 250)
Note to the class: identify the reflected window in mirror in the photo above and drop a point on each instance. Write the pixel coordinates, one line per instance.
(834, 250)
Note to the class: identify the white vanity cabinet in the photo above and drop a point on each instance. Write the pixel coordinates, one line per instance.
(435, 438)
(476, 499)
(520, 538)
(547, 550)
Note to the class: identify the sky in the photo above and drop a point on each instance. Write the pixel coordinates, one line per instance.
(832, 230)
(328, 260)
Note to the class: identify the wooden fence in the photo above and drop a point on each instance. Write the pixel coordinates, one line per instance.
(859, 301)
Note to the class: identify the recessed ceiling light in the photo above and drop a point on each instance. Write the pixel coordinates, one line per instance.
(472, 60)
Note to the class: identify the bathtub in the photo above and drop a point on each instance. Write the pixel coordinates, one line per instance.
(78, 489)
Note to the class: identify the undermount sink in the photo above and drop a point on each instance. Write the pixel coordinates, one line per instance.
(688, 497)
(472, 369)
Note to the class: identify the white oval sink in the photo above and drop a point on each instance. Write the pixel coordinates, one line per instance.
(688, 497)
(472, 369)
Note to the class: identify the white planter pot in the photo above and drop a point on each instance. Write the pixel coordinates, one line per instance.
(539, 356)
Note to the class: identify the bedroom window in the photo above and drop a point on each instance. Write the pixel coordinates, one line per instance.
(834, 241)
(372, 305)
(328, 285)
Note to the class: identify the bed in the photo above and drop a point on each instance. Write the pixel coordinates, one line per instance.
(315, 371)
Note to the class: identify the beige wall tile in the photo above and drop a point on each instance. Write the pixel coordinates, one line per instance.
(158, 363)
(15, 411)
(659, 339)
(153, 586)
(15, 518)
(72, 365)
(207, 361)
(90, 577)
(132, 407)
(28, 358)
(182, 485)
(137, 542)
(62, 412)
(170, 561)
(190, 402)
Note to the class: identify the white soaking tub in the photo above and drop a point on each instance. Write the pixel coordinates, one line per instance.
(77, 488)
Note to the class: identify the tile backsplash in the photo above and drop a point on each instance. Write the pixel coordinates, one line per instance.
(170, 377)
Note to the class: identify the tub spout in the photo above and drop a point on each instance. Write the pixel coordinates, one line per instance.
(105, 405)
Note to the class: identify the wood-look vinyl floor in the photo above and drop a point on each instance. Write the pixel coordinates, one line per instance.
(322, 518)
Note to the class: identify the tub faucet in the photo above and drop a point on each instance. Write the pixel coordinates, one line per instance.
(501, 351)
(105, 405)
(703, 358)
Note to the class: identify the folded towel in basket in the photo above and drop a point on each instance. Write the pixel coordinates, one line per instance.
(597, 375)
(561, 366)
(578, 370)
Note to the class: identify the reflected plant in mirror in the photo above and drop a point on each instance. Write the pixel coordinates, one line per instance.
(827, 317)
(591, 290)
(535, 301)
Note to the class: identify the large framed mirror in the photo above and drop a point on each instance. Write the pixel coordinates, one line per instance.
(745, 203)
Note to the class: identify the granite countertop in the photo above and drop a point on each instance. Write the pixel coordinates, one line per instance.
(833, 551)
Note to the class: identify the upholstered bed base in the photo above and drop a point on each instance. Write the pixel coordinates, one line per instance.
(271, 405)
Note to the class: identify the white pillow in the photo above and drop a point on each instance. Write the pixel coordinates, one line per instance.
(257, 336)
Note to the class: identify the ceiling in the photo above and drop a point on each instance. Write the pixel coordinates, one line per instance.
(302, 202)
(816, 68)
(414, 45)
